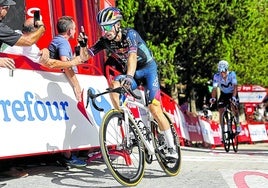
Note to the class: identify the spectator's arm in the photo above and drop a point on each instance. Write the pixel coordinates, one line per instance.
(31, 38)
(54, 63)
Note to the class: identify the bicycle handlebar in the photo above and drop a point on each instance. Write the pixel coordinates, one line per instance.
(120, 90)
(231, 102)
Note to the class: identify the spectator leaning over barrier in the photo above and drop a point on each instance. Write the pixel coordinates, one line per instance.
(227, 82)
(60, 48)
(127, 45)
(33, 52)
(10, 37)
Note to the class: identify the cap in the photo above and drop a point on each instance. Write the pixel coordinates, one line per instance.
(7, 2)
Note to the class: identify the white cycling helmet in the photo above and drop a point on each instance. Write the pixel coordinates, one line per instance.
(223, 66)
(109, 16)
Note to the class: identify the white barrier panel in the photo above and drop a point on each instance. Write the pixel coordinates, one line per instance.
(207, 132)
(251, 97)
(257, 132)
(182, 124)
(39, 112)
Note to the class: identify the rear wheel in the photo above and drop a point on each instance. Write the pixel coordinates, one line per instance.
(125, 159)
(235, 143)
(171, 168)
(226, 136)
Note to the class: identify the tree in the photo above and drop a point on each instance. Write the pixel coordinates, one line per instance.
(189, 37)
(247, 47)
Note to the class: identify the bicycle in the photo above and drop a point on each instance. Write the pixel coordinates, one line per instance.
(126, 142)
(229, 124)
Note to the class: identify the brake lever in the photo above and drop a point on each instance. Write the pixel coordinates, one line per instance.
(130, 91)
(93, 97)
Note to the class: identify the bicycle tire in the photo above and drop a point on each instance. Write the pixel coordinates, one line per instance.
(126, 164)
(226, 131)
(234, 135)
(170, 168)
(235, 143)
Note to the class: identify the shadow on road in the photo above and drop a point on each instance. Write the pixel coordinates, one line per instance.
(95, 174)
(260, 149)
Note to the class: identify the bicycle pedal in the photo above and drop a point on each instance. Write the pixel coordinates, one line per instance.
(148, 157)
(171, 160)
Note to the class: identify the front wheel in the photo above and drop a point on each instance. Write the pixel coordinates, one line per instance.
(226, 134)
(171, 168)
(124, 157)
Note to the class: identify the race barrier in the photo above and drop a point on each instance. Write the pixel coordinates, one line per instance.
(39, 114)
(194, 128)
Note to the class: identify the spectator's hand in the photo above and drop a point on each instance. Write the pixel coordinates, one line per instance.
(127, 81)
(212, 100)
(82, 38)
(39, 23)
(44, 53)
(7, 63)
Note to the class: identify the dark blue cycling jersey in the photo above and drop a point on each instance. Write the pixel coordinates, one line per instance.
(146, 66)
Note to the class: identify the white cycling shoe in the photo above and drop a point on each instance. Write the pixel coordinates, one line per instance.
(171, 154)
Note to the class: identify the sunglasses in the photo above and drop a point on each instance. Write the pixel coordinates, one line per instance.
(107, 27)
(5, 7)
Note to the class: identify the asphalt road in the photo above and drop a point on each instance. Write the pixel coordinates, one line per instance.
(200, 168)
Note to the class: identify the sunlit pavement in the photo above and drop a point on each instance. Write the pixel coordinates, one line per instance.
(201, 167)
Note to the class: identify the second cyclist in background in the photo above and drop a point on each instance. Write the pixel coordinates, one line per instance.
(227, 82)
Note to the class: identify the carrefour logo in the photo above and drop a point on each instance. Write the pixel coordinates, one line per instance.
(31, 110)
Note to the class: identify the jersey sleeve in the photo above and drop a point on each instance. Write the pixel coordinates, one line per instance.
(132, 41)
(233, 77)
(97, 47)
(215, 82)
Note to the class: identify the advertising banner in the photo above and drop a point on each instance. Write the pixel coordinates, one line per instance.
(257, 132)
(39, 112)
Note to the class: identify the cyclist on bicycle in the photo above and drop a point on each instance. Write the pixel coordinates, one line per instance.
(133, 53)
(227, 82)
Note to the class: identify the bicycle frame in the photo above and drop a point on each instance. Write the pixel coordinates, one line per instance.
(228, 108)
(228, 122)
(136, 127)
